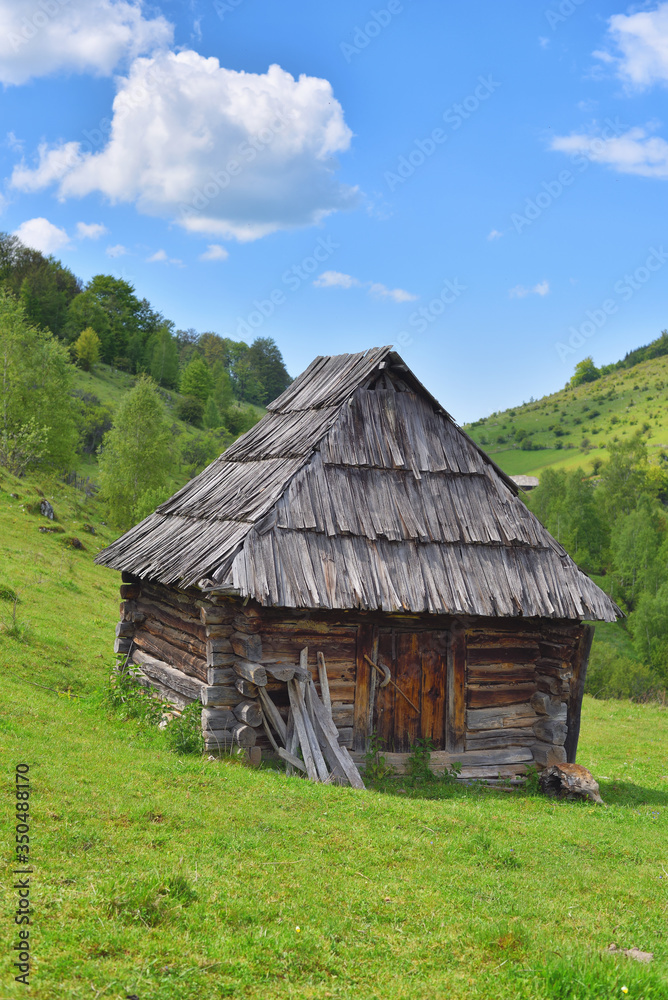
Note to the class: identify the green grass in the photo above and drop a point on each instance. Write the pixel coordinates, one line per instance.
(174, 878)
(614, 407)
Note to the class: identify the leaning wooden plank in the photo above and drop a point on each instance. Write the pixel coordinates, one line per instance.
(330, 737)
(267, 729)
(273, 715)
(253, 672)
(321, 766)
(291, 759)
(169, 676)
(300, 729)
(324, 683)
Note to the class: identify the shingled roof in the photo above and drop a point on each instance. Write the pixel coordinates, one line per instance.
(358, 490)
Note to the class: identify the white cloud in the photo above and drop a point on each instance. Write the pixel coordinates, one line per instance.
(91, 230)
(336, 279)
(118, 250)
(521, 292)
(214, 251)
(224, 153)
(40, 234)
(161, 255)
(543, 42)
(494, 234)
(642, 43)
(80, 36)
(634, 152)
(396, 294)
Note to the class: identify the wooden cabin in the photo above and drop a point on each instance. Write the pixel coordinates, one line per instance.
(357, 520)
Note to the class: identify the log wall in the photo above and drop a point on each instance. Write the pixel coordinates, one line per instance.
(511, 688)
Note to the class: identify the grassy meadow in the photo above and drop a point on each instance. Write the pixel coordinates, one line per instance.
(172, 877)
(570, 428)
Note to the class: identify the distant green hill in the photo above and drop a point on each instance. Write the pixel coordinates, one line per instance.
(573, 427)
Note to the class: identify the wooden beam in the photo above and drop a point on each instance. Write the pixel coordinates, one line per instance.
(361, 732)
(580, 662)
(455, 734)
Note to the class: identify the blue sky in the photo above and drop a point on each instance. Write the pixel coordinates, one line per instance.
(481, 184)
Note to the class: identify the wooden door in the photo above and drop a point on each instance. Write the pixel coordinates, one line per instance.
(416, 706)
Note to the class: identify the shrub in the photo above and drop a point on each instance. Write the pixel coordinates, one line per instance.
(184, 733)
(191, 410)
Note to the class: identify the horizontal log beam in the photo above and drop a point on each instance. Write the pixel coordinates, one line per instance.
(168, 675)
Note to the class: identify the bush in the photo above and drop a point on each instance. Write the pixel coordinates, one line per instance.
(191, 410)
(184, 733)
(613, 675)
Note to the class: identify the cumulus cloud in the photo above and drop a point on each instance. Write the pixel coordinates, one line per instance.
(42, 235)
(223, 153)
(118, 250)
(79, 36)
(91, 230)
(494, 234)
(161, 255)
(521, 292)
(640, 44)
(336, 279)
(396, 294)
(634, 152)
(214, 251)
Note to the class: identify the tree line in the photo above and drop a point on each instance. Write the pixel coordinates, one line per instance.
(50, 322)
(105, 321)
(615, 526)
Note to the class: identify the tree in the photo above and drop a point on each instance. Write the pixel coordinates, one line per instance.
(585, 371)
(649, 626)
(222, 388)
(163, 358)
(624, 477)
(135, 456)
(43, 284)
(87, 349)
(245, 383)
(211, 417)
(191, 410)
(267, 365)
(638, 558)
(196, 380)
(37, 411)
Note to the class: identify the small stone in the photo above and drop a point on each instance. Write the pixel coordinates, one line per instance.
(46, 510)
(570, 781)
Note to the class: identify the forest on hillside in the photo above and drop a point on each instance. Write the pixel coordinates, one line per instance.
(186, 395)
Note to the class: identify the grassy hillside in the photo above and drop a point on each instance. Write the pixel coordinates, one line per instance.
(571, 428)
(109, 386)
(175, 878)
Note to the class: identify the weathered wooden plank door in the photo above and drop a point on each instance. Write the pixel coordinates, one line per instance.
(418, 665)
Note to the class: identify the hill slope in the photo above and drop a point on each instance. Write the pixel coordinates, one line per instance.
(572, 427)
(175, 878)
